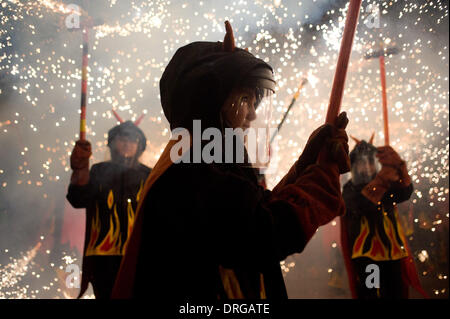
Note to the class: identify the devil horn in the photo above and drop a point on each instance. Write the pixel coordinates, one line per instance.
(138, 121)
(117, 116)
(371, 138)
(228, 41)
(355, 139)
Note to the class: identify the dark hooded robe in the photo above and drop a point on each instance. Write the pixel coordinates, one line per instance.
(209, 231)
(110, 199)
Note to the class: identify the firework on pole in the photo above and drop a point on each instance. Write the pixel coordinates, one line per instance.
(87, 23)
(84, 79)
(294, 99)
(380, 55)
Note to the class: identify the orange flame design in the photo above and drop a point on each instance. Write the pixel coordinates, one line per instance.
(377, 250)
(397, 251)
(400, 230)
(138, 195)
(110, 200)
(361, 239)
(95, 233)
(131, 218)
(132, 215)
(110, 245)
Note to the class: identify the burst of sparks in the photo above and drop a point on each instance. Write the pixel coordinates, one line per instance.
(12, 273)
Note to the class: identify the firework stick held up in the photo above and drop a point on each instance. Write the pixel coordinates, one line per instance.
(87, 23)
(384, 96)
(294, 98)
(337, 90)
(380, 54)
(84, 78)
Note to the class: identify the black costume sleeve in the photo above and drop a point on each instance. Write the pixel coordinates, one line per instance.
(80, 196)
(357, 204)
(397, 194)
(353, 201)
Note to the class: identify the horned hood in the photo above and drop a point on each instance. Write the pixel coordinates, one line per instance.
(198, 79)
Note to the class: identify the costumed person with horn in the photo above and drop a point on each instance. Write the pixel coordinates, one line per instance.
(109, 191)
(228, 233)
(371, 230)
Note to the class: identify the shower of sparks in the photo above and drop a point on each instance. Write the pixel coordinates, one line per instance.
(12, 274)
(40, 75)
(19, 277)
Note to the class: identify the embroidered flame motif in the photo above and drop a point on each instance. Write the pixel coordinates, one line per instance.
(111, 243)
(361, 239)
(377, 250)
(110, 200)
(400, 230)
(95, 232)
(397, 252)
(131, 216)
(230, 283)
(138, 195)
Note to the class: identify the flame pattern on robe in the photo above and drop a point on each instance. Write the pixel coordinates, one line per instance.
(398, 251)
(112, 243)
(361, 239)
(95, 231)
(132, 216)
(378, 251)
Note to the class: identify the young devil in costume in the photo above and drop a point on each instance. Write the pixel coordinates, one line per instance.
(109, 191)
(371, 231)
(208, 230)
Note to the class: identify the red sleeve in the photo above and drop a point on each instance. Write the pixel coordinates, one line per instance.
(315, 197)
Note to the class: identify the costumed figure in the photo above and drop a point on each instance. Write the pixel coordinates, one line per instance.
(371, 232)
(109, 191)
(207, 229)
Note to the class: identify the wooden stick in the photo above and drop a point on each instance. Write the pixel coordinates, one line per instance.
(84, 79)
(342, 65)
(383, 93)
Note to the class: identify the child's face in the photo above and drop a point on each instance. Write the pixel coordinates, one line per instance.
(239, 109)
(366, 167)
(126, 146)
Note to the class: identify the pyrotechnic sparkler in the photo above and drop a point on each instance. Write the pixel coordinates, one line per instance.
(380, 55)
(12, 274)
(294, 99)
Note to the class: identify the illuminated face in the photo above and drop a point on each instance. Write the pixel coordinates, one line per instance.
(366, 167)
(239, 109)
(126, 146)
